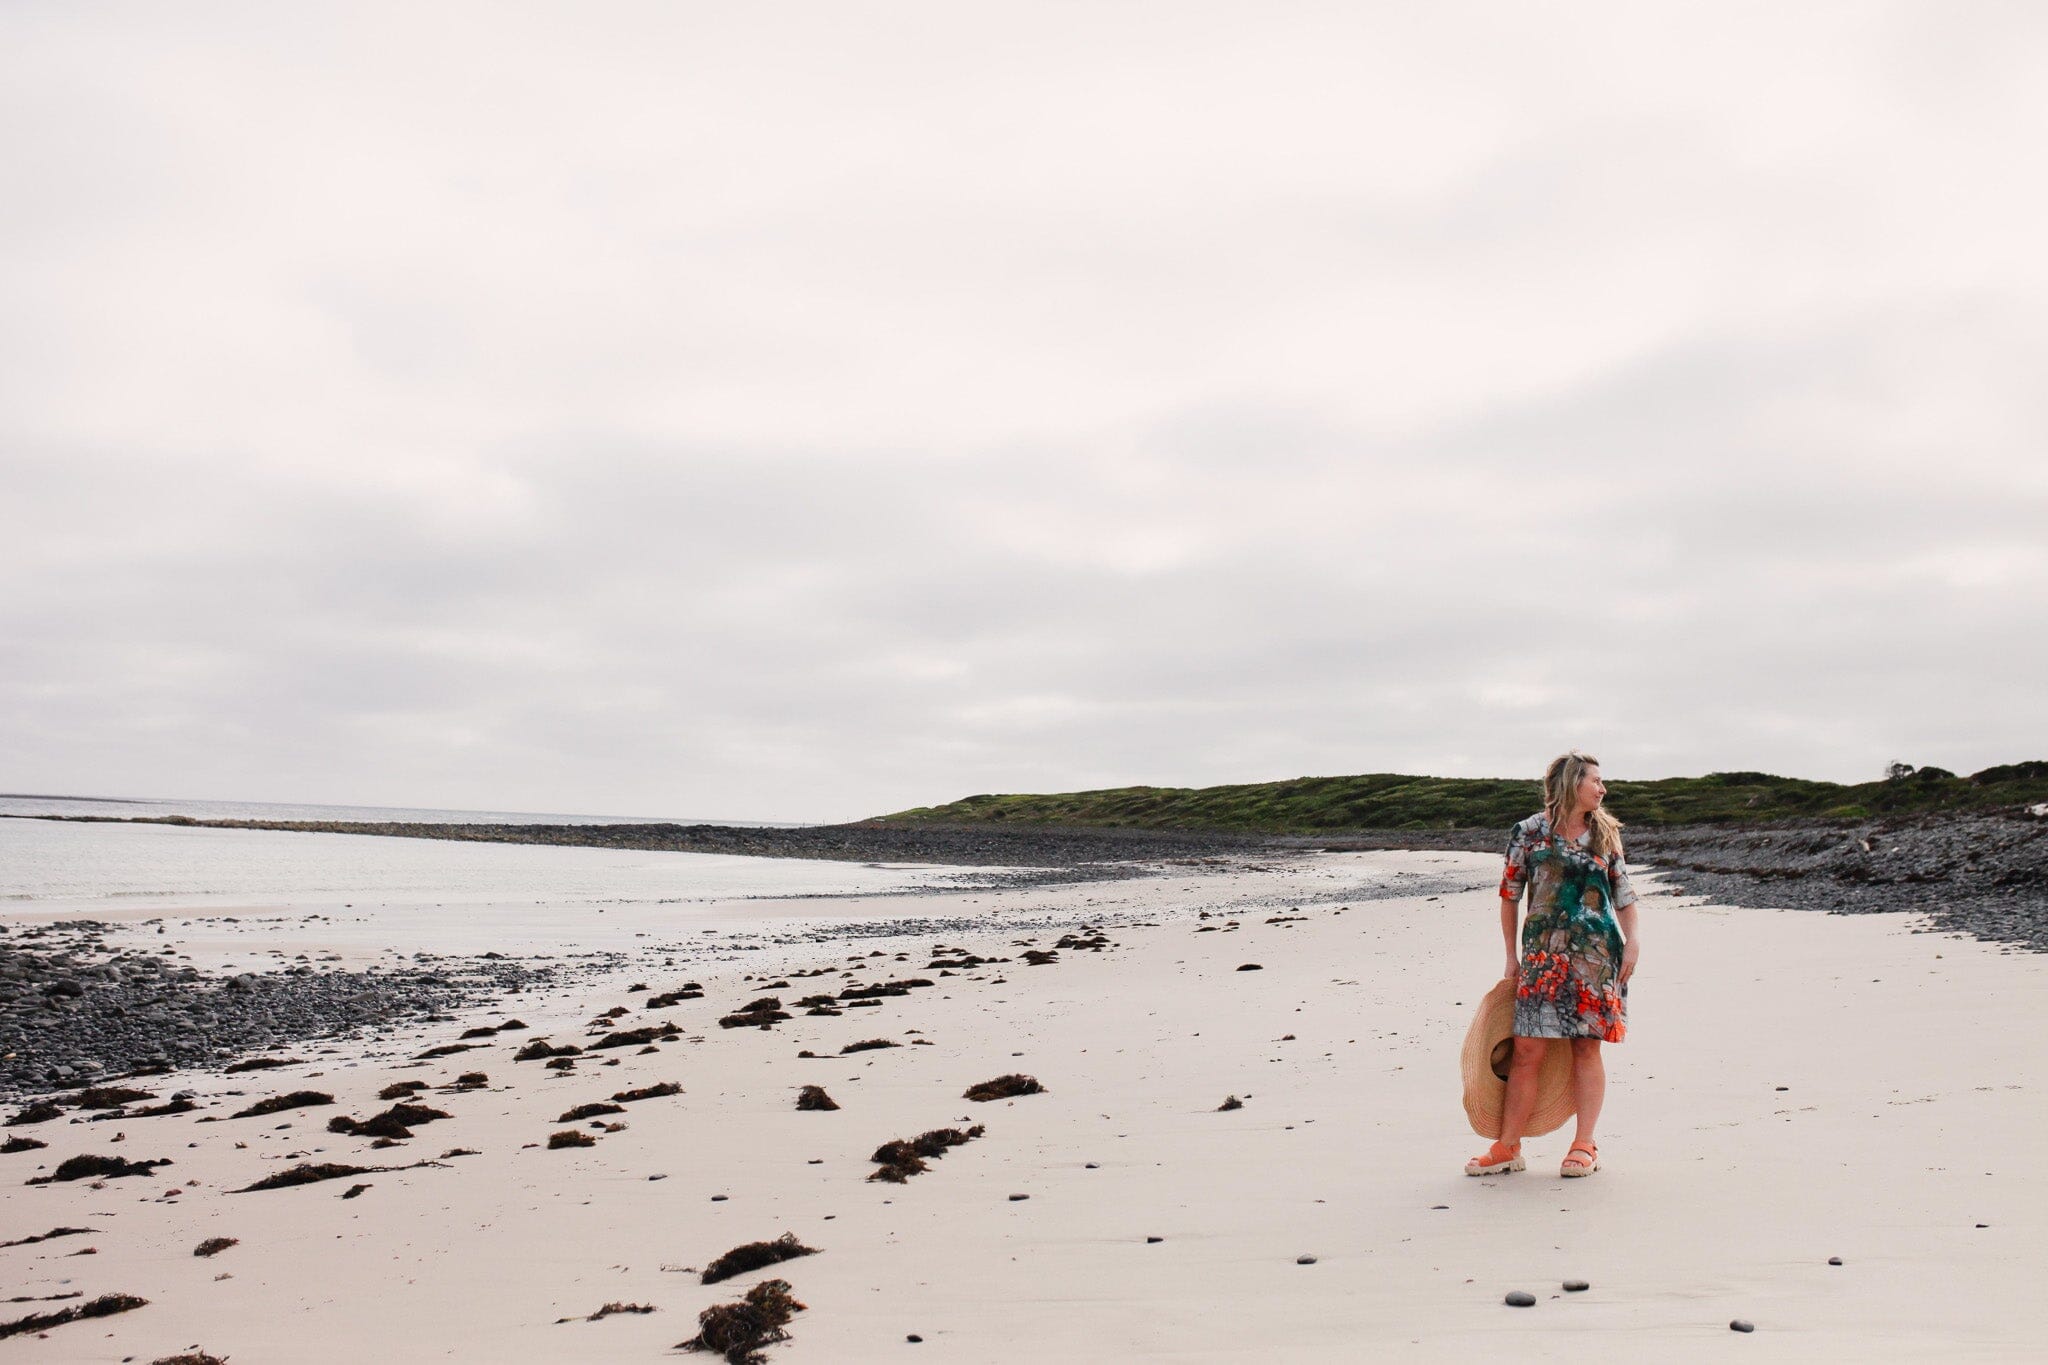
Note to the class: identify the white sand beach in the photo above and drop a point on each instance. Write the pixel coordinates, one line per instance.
(1795, 1086)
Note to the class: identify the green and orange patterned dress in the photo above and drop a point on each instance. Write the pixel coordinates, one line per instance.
(1571, 941)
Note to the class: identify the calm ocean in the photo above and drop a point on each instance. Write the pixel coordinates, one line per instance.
(49, 865)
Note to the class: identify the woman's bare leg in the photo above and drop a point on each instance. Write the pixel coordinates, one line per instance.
(1589, 1085)
(1521, 1097)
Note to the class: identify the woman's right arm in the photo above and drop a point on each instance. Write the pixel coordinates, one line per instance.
(1514, 877)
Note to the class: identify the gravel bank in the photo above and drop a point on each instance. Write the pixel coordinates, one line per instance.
(74, 1011)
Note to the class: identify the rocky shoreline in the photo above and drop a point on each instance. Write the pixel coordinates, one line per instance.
(74, 1010)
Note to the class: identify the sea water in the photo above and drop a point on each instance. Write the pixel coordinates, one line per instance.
(378, 893)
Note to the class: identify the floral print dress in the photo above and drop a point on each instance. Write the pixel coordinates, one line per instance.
(1571, 941)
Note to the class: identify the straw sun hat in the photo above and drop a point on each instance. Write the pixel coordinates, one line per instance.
(1489, 1044)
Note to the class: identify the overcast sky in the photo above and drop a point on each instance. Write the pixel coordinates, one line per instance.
(806, 411)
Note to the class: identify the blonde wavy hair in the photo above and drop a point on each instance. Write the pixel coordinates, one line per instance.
(1561, 784)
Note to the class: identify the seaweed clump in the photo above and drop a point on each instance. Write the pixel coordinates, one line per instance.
(261, 1064)
(867, 1045)
(1005, 1087)
(905, 1157)
(18, 1143)
(1230, 1102)
(763, 1013)
(569, 1137)
(738, 1331)
(754, 1255)
(277, 1104)
(214, 1246)
(590, 1111)
(691, 991)
(396, 1123)
(190, 1358)
(109, 1097)
(106, 1305)
(813, 1098)
(540, 1047)
(639, 1037)
(306, 1174)
(649, 1092)
(401, 1090)
(99, 1168)
(37, 1111)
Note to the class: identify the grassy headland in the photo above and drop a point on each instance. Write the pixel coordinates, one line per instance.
(1397, 801)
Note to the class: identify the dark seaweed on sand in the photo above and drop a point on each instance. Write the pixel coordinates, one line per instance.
(1005, 1087)
(867, 1045)
(1230, 1102)
(396, 1122)
(569, 1137)
(814, 1098)
(399, 1090)
(190, 1358)
(106, 1305)
(649, 1092)
(754, 1255)
(277, 1104)
(108, 1097)
(759, 1014)
(153, 1111)
(261, 1064)
(214, 1246)
(590, 1111)
(676, 997)
(447, 1050)
(99, 1168)
(18, 1143)
(905, 1157)
(308, 1173)
(46, 1236)
(738, 1331)
(609, 1309)
(540, 1047)
(636, 1037)
(38, 1111)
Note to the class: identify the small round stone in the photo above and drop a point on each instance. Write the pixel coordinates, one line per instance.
(1521, 1298)
(1741, 1325)
(913, 1337)
(1150, 1240)
(1304, 1260)
(1834, 1260)
(1576, 1286)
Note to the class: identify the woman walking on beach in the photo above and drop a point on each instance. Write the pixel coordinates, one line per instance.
(1572, 961)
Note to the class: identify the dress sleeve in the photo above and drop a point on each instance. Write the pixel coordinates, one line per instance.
(1617, 876)
(1516, 876)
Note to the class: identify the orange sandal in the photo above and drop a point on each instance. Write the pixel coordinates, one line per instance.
(1575, 1165)
(1498, 1158)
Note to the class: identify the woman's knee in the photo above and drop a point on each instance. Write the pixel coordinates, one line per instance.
(1585, 1049)
(1529, 1052)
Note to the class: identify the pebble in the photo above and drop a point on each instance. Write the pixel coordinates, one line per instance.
(1521, 1298)
(1150, 1240)
(913, 1337)
(1304, 1260)
(1015, 1197)
(1741, 1325)
(1576, 1286)
(1834, 1260)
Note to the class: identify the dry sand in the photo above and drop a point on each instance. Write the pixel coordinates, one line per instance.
(1795, 1086)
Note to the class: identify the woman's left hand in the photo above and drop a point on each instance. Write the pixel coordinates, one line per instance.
(1629, 953)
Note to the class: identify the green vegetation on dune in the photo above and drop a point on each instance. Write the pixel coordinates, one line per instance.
(1390, 801)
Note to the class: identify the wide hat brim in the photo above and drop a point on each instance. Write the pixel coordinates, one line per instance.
(1489, 1044)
